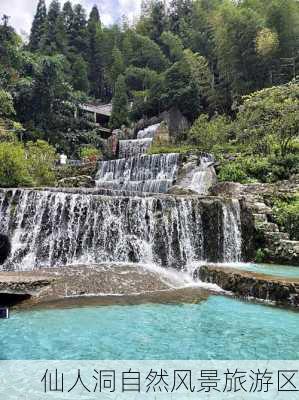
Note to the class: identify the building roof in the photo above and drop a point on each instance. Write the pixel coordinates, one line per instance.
(102, 109)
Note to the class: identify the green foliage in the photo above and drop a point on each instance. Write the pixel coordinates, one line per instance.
(235, 31)
(270, 117)
(206, 133)
(40, 160)
(118, 66)
(119, 114)
(260, 256)
(38, 26)
(6, 104)
(181, 91)
(13, 167)
(287, 216)
(139, 79)
(144, 52)
(80, 74)
(172, 45)
(233, 172)
(181, 149)
(90, 153)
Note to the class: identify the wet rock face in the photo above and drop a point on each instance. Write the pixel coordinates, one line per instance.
(5, 248)
(248, 284)
(83, 181)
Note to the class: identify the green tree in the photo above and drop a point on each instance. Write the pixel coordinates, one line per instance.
(78, 31)
(282, 17)
(206, 133)
(51, 92)
(119, 115)
(236, 30)
(180, 18)
(140, 79)
(202, 77)
(95, 53)
(118, 65)
(38, 26)
(68, 18)
(41, 159)
(143, 52)
(13, 167)
(53, 41)
(270, 118)
(80, 74)
(157, 20)
(173, 46)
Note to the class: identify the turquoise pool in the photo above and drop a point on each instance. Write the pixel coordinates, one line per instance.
(284, 271)
(219, 328)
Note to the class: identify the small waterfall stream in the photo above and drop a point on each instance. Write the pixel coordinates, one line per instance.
(133, 148)
(143, 173)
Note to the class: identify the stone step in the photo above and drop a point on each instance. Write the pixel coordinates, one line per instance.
(268, 227)
(276, 236)
(261, 208)
(260, 218)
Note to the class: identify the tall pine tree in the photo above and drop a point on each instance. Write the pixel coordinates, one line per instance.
(78, 34)
(53, 39)
(119, 114)
(38, 26)
(95, 53)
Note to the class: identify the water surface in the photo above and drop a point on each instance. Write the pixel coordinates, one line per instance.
(219, 328)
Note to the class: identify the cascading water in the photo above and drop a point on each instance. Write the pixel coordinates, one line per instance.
(155, 173)
(49, 228)
(132, 148)
(148, 132)
(204, 176)
(135, 147)
(232, 238)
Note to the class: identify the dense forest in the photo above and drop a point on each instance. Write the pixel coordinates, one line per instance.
(228, 66)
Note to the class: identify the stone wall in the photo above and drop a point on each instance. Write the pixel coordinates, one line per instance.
(259, 228)
(248, 284)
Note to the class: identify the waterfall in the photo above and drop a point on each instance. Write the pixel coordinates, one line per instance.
(50, 228)
(148, 132)
(132, 148)
(155, 173)
(204, 176)
(232, 238)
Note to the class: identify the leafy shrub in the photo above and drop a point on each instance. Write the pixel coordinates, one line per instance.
(287, 216)
(207, 133)
(181, 149)
(41, 159)
(257, 168)
(233, 172)
(13, 166)
(283, 168)
(260, 256)
(90, 153)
